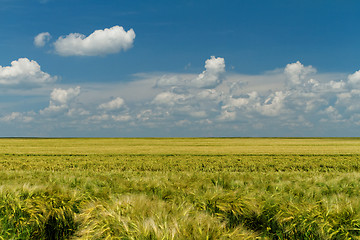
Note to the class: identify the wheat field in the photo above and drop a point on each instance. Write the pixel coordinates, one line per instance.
(180, 188)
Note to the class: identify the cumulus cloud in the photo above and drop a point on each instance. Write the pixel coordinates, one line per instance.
(297, 72)
(77, 112)
(209, 78)
(246, 103)
(337, 85)
(207, 94)
(305, 99)
(24, 72)
(309, 104)
(169, 98)
(16, 116)
(63, 96)
(100, 42)
(121, 118)
(41, 39)
(273, 105)
(173, 80)
(354, 79)
(99, 118)
(60, 99)
(115, 104)
(227, 116)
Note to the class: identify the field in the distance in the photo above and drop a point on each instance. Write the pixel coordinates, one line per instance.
(206, 188)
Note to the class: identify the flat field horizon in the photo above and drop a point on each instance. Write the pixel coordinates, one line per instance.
(179, 188)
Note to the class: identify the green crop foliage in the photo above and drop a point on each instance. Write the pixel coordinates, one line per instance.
(211, 188)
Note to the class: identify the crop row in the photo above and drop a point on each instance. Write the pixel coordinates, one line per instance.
(176, 163)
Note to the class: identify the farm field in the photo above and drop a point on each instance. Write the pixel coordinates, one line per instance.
(180, 188)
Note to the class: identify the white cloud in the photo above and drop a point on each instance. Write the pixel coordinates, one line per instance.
(121, 118)
(354, 79)
(169, 98)
(24, 72)
(297, 72)
(211, 76)
(215, 65)
(60, 100)
(54, 109)
(348, 101)
(63, 96)
(337, 85)
(99, 118)
(100, 42)
(227, 116)
(209, 94)
(179, 80)
(198, 114)
(245, 103)
(238, 105)
(41, 39)
(115, 104)
(333, 115)
(273, 105)
(16, 116)
(77, 112)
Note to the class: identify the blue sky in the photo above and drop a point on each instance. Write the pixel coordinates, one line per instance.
(179, 68)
